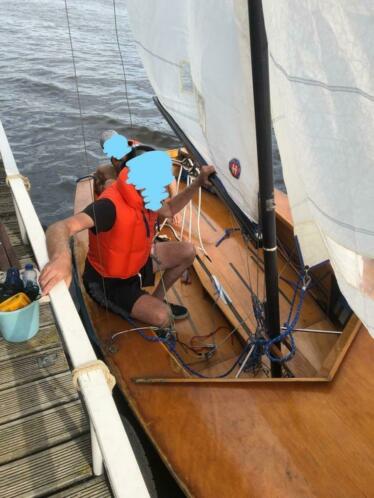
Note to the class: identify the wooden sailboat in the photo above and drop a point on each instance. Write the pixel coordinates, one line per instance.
(227, 419)
(266, 437)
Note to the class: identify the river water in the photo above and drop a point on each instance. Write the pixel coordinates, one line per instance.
(38, 100)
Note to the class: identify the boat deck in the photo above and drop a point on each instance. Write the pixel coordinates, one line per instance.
(45, 445)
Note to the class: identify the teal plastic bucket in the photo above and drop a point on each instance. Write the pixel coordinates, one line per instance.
(20, 325)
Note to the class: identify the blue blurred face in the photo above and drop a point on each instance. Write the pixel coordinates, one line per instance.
(116, 147)
(150, 173)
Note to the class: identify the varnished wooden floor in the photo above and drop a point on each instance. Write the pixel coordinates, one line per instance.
(44, 433)
(249, 440)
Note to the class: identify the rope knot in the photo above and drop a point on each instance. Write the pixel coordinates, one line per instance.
(92, 366)
(25, 180)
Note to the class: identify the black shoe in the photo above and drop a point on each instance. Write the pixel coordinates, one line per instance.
(178, 312)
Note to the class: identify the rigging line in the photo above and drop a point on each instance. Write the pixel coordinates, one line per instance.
(85, 147)
(198, 224)
(179, 177)
(233, 331)
(190, 219)
(122, 62)
(76, 82)
(184, 212)
(155, 258)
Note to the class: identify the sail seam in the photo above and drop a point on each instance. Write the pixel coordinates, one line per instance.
(341, 223)
(325, 86)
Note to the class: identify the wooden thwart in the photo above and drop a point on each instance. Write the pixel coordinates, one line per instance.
(225, 380)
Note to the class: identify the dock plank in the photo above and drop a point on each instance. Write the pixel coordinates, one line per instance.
(14, 233)
(45, 339)
(17, 371)
(94, 488)
(46, 315)
(33, 397)
(47, 471)
(41, 431)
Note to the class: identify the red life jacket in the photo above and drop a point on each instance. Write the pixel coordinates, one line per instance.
(123, 250)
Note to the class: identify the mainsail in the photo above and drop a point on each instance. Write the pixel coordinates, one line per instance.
(198, 60)
(197, 56)
(322, 96)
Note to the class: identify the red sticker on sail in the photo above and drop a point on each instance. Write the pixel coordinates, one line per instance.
(235, 168)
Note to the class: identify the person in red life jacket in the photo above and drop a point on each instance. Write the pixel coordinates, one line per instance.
(122, 257)
(106, 174)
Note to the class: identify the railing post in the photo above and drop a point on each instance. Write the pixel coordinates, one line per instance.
(97, 458)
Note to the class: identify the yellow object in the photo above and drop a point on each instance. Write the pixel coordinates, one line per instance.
(173, 153)
(15, 302)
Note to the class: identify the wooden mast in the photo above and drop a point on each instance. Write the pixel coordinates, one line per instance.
(261, 94)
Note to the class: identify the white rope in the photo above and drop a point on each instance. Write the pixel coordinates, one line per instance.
(117, 334)
(184, 213)
(93, 366)
(190, 221)
(179, 178)
(198, 224)
(18, 176)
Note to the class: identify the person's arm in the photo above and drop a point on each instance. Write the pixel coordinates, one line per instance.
(58, 235)
(172, 188)
(177, 203)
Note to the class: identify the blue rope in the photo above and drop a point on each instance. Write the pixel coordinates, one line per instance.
(171, 342)
(262, 346)
(198, 374)
(289, 326)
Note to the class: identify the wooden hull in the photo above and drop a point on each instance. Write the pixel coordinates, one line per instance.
(256, 439)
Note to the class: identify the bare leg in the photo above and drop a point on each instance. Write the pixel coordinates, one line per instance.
(151, 310)
(174, 258)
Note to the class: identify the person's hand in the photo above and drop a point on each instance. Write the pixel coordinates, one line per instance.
(205, 172)
(55, 271)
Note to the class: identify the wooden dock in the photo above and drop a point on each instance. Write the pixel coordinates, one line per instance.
(45, 445)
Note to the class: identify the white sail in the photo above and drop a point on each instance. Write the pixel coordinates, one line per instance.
(321, 56)
(197, 57)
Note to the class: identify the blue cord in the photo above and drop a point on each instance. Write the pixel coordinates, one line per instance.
(262, 346)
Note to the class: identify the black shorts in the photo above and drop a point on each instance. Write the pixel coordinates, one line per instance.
(117, 293)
